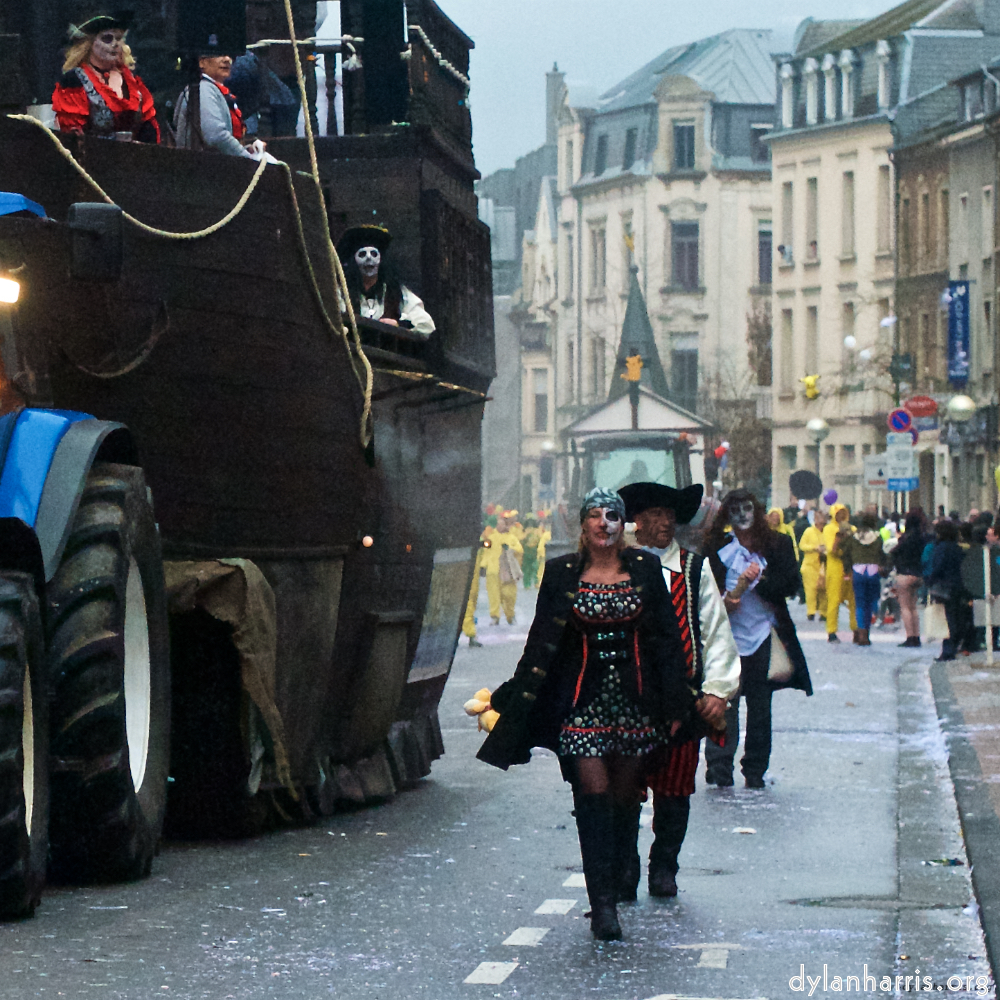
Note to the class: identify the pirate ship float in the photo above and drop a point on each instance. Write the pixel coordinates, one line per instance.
(245, 392)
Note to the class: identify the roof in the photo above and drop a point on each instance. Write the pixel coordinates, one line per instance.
(637, 338)
(812, 34)
(893, 22)
(656, 415)
(736, 66)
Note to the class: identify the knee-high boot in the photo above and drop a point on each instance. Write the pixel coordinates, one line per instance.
(629, 867)
(670, 821)
(596, 826)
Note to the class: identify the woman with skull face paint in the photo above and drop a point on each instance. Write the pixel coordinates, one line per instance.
(756, 571)
(98, 93)
(374, 290)
(602, 682)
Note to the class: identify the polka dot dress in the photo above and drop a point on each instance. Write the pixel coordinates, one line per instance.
(611, 723)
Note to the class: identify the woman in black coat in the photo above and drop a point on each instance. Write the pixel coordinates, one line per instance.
(906, 557)
(602, 683)
(945, 584)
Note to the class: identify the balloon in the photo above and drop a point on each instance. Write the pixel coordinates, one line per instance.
(830, 497)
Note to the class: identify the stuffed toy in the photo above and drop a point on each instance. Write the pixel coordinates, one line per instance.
(480, 706)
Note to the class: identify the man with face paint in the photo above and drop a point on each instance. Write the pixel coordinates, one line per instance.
(374, 291)
(713, 669)
(756, 571)
(98, 93)
(601, 683)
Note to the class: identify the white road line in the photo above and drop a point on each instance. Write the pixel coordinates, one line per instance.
(713, 958)
(576, 881)
(530, 937)
(560, 906)
(491, 972)
(680, 996)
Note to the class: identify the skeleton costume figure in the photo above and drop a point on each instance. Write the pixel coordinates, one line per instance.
(375, 292)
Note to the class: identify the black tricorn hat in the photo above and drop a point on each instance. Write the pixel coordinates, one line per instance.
(363, 236)
(641, 496)
(121, 19)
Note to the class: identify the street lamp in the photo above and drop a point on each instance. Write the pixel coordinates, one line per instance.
(961, 408)
(819, 430)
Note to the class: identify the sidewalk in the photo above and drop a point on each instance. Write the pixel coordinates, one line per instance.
(967, 693)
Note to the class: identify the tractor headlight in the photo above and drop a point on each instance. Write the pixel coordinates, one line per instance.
(10, 290)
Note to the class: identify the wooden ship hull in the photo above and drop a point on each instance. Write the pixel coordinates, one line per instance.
(246, 409)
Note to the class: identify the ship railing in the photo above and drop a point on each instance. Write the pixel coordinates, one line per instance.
(396, 340)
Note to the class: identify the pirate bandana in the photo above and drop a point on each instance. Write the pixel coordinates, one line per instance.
(608, 499)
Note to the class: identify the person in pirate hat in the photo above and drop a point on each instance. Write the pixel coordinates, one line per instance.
(218, 124)
(374, 290)
(98, 93)
(713, 671)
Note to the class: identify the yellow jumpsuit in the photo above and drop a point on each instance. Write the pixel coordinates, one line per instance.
(504, 594)
(837, 588)
(809, 545)
(544, 536)
(469, 622)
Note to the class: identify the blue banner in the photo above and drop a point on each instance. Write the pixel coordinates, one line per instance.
(958, 332)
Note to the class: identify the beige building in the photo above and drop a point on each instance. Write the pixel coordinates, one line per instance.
(834, 192)
(669, 172)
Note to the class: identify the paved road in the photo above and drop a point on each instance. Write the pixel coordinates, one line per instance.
(476, 874)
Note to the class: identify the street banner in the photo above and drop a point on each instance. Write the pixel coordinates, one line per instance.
(958, 332)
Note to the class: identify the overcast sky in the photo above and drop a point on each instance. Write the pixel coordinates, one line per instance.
(597, 43)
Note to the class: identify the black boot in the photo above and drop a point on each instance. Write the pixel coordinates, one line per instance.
(629, 868)
(670, 821)
(596, 826)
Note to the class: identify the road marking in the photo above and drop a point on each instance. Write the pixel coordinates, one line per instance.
(714, 955)
(576, 881)
(530, 937)
(680, 996)
(493, 973)
(560, 906)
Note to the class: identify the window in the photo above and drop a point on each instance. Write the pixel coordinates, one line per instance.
(631, 138)
(598, 370)
(905, 248)
(944, 221)
(972, 99)
(987, 223)
(847, 330)
(847, 456)
(546, 465)
(570, 371)
(601, 156)
(787, 224)
(812, 340)
(760, 152)
(628, 250)
(962, 242)
(598, 261)
(847, 210)
(765, 252)
(568, 164)
(540, 385)
(683, 145)
(883, 235)
(684, 254)
(684, 369)
(788, 457)
(810, 71)
(926, 247)
(812, 218)
(926, 344)
(570, 270)
(830, 455)
(787, 352)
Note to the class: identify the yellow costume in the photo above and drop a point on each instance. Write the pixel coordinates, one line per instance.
(837, 588)
(785, 529)
(504, 594)
(544, 535)
(812, 567)
(469, 622)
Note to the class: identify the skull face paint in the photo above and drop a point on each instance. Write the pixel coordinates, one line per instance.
(741, 515)
(106, 50)
(368, 260)
(602, 527)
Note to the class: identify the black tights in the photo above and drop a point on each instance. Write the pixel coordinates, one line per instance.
(623, 778)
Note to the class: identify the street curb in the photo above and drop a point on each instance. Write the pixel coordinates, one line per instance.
(980, 825)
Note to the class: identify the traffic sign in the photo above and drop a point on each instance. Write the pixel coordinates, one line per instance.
(907, 485)
(903, 440)
(921, 406)
(899, 420)
(875, 477)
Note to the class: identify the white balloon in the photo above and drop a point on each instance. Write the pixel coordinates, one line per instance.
(865, 355)
(850, 342)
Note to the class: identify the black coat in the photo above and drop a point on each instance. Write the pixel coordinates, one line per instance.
(779, 581)
(534, 703)
(946, 570)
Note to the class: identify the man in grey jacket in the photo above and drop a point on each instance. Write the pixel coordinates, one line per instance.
(220, 125)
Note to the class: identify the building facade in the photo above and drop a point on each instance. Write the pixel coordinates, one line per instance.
(834, 293)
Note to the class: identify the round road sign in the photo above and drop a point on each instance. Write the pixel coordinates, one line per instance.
(921, 406)
(899, 421)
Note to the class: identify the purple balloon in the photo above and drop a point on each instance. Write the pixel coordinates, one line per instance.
(830, 497)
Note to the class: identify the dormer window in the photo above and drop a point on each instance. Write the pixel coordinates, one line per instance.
(684, 146)
(846, 63)
(631, 139)
(972, 100)
(884, 56)
(787, 96)
(810, 70)
(829, 87)
(601, 156)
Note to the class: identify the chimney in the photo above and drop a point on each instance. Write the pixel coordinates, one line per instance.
(553, 92)
(988, 13)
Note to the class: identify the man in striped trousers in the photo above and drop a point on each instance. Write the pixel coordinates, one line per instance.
(713, 667)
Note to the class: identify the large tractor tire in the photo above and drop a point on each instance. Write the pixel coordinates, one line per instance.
(109, 664)
(24, 748)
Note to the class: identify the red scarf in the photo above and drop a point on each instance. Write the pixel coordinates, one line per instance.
(239, 129)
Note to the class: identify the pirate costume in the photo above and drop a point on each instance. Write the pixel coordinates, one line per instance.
(600, 676)
(712, 666)
(387, 298)
(85, 103)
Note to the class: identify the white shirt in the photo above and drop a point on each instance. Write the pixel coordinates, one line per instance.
(752, 621)
(411, 308)
(720, 658)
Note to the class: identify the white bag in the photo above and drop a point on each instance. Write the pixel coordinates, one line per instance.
(781, 668)
(935, 623)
